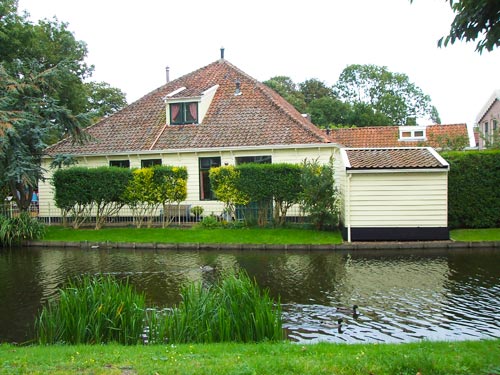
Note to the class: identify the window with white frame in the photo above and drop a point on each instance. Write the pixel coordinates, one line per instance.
(412, 133)
(184, 113)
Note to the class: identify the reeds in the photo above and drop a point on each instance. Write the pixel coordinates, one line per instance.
(234, 309)
(22, 227)
(93, 310)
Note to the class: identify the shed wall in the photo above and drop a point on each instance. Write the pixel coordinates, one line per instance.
(410, 199)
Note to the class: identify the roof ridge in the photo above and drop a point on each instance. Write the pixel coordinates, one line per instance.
(486, 107)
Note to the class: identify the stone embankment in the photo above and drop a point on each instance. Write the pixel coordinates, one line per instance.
(353, 246)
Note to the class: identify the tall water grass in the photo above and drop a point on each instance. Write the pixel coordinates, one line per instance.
(234, 309)
(23, 227)
(93, 310)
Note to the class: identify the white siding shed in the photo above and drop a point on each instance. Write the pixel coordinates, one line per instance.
(393, 194)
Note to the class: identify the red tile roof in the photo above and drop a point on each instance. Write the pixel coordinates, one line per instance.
(388, 136)
(257, 117)
(392, 158)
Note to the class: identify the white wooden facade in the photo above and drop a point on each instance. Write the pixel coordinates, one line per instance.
(385, 203)
(190, 160)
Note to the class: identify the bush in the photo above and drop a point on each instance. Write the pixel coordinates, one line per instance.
(16, 229)
(234, 309)
(473, 193)
(93, 310)
(319, 197)
(210, 222)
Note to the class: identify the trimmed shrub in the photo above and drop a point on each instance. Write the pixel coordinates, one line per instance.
(81, 192)
(473, 189)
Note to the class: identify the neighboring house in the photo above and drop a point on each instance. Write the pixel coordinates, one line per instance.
(392, 194)
(453, 136)
(488, 121)
(214, 116)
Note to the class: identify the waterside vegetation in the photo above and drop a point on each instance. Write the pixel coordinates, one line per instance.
(22, 227)
(103, 309)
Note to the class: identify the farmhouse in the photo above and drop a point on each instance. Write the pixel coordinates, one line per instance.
(216, 115)
(219, 115)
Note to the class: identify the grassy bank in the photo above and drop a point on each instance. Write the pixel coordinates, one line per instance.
(490, 234)
(477, 357)
(195, 235)
(233, 236)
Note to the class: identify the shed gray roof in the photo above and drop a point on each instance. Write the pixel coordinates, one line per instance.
(393, 158)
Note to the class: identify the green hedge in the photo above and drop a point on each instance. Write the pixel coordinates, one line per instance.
(473, 189)
(79, 190)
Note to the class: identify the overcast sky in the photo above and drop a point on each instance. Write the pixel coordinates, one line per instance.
(131, 42)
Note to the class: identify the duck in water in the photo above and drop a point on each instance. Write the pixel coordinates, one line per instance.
(338, 326)
(349, 311)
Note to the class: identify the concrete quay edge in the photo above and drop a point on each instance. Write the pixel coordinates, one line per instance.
(352, 246)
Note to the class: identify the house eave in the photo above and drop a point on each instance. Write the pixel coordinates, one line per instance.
(206, 150)
(397, 170)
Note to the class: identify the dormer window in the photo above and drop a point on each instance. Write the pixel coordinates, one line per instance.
(184, 113)
(412, 133)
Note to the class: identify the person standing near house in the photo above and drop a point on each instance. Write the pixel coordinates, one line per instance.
(34, 201)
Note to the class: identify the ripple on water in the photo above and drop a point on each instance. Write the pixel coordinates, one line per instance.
(402, 297)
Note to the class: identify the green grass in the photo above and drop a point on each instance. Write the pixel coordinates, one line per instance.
(467, 235)
(195, 235)
(427, 358)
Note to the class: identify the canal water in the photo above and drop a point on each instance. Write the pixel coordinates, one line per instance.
(402, 295)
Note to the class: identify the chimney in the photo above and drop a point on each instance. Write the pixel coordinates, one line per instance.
(222, 53)
(167, 71)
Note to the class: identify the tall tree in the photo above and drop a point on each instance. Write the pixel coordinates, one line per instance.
(474, 20)
(389, 93)
(285, 86)
(29, 115)
(313, 89)
(327, 111)
(103, 100)
(42, 95)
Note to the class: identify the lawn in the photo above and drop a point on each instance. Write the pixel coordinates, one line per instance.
(195, 235)
(427, 358)
(231, 236)
(467, 235)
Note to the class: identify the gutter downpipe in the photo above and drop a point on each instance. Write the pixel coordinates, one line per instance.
(348, 207)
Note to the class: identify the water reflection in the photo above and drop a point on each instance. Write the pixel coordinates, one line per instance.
(402, 297)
